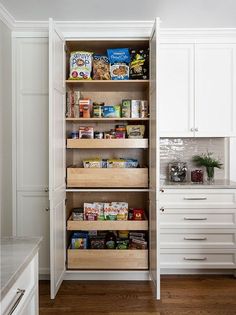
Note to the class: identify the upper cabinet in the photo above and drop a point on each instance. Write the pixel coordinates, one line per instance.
(197, 90)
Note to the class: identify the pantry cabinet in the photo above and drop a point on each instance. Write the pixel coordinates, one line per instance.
(70, 185)
(197, 90)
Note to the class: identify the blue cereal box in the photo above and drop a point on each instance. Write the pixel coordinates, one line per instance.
(111, 111)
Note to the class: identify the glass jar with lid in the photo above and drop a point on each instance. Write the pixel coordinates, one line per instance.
(177, 171)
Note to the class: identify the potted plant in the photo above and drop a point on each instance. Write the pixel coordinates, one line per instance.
(207, 160)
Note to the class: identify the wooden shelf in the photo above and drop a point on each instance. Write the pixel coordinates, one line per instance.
(107, 259)
(109, 85)
(107, 143)
(107, 177)
(106, 119)
(107, 225)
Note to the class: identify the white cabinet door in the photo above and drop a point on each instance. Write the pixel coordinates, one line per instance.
(175, 90)
(153, 168)
(30, 133)
(57, 189)
(215, 89)
(33, 220)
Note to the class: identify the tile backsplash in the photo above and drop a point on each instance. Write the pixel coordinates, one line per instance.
(183, 149)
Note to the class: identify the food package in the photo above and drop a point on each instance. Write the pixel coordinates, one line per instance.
(135, 131)
(131, 163)
(93, 211)
(101, 68)
(80, 65)
(86, 132)
(139, 64)
(78, 214)
(79, 240)
(143, 109)
(138, 214)
(126, 109)
(119, 59)
(135, 108)
(92, 163)
(111, 111)
(119, 71)
(97, 242)
(115, 163)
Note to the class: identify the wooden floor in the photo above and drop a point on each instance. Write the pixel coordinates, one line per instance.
(180, 295)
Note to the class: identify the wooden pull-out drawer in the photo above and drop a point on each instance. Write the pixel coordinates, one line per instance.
(201, 198)
(105, 177)
(107, 259)
(198, 238)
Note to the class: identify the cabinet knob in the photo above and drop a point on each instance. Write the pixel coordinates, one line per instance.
(162, 209)
(192, 129)
(196, 129)
(162, 190)
(47, 209)
(46, 189)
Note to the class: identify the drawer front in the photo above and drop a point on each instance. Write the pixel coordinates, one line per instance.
(195, 218)
(190, 198)
(25, 283)
(198, 259)
(200, 238)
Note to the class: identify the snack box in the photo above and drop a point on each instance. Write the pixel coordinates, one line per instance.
(126, 108)
(92, 163)
(135, 131)
(78, 214)
(81, 65)
(79, 240)
(111, 111)
(86, 132)
(135, 108)
(143, 109)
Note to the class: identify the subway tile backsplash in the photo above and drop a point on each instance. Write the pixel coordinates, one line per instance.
(172, 149)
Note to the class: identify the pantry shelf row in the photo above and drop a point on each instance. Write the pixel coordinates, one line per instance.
(107, 143)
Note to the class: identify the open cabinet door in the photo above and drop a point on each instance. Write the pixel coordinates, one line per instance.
(154, 166)
(57, 187)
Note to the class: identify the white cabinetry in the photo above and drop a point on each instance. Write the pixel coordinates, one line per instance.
(197, 229)
(30, 128)
(197, 90)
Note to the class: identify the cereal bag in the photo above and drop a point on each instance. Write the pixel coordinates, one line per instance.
(80, 65)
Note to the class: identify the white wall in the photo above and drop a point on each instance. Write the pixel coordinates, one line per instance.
(197, 13)
(5, 130)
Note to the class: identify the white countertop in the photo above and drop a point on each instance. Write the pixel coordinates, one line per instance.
(16, 253)
(217, 184)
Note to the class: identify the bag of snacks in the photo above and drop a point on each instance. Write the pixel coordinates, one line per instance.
(139, 64)
(80, 65)
(101, 70)
(119, 59)
(135, 131)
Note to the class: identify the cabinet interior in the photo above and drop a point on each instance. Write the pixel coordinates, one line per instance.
(110, 93)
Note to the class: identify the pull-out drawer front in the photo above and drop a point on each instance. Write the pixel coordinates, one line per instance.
(198, 258)
(201, 198)
(198, 238)
(21, 290)
(198, 218)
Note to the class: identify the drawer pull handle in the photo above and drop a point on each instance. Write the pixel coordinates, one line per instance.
(195, 198)
(19, 295)
(195, 238)
(195, 258)
(194, 219)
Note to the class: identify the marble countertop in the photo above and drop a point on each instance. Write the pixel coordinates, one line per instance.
(221, 183)
(16, 253)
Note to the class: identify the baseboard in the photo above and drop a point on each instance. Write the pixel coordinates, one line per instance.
(165, 271)
(107, 275)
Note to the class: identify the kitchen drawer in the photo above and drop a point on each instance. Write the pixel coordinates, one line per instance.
(26, 284)
(198, 238)
(198, 258)
(198, 198)
(198, 218)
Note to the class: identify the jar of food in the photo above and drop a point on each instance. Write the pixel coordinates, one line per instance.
(177, 171)
(197, 176)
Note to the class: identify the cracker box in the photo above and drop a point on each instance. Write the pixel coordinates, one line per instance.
(135, 108)
(126, 108)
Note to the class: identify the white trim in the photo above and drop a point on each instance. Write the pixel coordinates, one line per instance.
(29, 34)
(14, 142)
(6, 17)
(167, 271)
(198, 35)
(126, 275)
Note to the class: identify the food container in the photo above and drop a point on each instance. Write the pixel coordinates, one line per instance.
(177, 171)
(197, 176)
